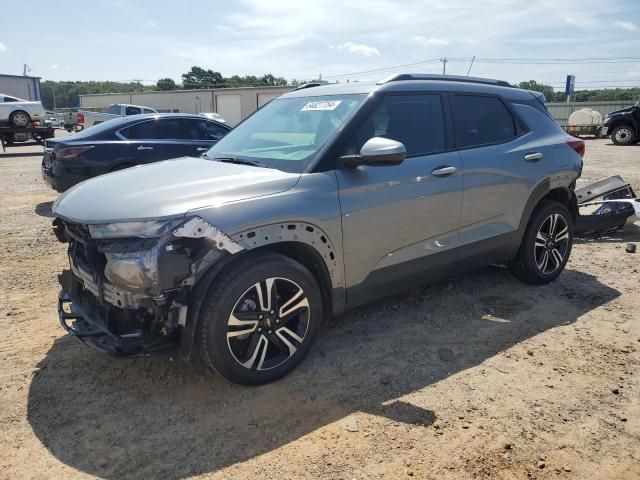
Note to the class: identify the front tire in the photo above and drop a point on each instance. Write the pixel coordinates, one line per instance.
(546, 244)
(19, 119)
(259, 320)
(623, 135)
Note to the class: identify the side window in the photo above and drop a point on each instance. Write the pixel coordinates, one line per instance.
(415, 120)
(160, 129)
(132, 111)
(10, 99)
(481, 120)
(147, 110)
(205, 130)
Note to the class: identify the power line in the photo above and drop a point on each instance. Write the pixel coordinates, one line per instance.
(384, 69)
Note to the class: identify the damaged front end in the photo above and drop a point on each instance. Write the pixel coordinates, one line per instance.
(128, 288)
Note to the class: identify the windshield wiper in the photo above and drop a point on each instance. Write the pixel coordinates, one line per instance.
(240, 161)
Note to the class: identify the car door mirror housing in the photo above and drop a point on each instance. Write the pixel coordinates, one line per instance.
(376, 151)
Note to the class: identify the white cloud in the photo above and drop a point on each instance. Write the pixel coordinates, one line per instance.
(627, 26)
(226, 29)
(55, 67)
(3, 47)
(425, 42)
(359, 49)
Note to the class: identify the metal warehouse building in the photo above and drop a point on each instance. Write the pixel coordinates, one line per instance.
(20, 86)
(234, 104)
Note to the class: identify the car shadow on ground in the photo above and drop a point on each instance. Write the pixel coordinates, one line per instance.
(44, 209)
(153, 418)
(629, 233)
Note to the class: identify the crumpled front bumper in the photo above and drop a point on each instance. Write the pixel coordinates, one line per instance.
(90, 327)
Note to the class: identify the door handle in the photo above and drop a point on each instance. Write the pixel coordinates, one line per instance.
(141, 147)
(444, 171)
(533, 156)
(202, 149)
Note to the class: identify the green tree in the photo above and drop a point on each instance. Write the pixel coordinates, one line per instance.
(166, 84)
(546, 90)
(198, 77)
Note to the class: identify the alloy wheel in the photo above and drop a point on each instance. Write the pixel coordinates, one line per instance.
(552, 243)
(268, 323)
(20, 119)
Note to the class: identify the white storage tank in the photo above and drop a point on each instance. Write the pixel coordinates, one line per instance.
(585, 121)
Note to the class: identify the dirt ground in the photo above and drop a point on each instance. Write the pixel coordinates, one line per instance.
(477, 377)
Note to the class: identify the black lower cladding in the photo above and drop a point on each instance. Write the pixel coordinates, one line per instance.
(105, 328)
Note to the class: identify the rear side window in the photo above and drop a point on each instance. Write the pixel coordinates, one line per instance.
(132, 111)
(415, 120)
(147, 110)
(157, 129)
(481, 120)
(205, 130)
(10, 99)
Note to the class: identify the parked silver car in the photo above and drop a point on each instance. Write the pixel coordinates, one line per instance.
(325, 198)
(20, 113)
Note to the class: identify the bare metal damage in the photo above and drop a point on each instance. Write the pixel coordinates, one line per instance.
(199, 228)
(301, 232)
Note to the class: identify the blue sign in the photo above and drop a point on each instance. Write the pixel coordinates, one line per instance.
(570, 85)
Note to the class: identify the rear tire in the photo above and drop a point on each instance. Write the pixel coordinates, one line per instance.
(546, 244)
(623, 135)
(259, 320)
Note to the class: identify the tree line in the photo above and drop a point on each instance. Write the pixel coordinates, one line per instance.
(66, 94)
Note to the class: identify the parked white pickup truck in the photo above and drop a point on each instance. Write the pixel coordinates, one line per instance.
(84, 119)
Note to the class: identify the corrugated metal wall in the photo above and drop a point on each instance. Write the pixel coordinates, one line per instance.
(234, 104)
(21, 87)
(561, 111)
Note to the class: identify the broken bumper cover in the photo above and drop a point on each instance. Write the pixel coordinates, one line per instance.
(89, 326)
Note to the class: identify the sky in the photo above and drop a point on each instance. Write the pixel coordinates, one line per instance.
(338, 39)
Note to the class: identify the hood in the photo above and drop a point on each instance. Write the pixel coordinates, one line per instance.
(621, 111)
(167, 189)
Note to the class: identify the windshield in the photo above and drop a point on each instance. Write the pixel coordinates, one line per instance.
(114, 109)
(288, 133)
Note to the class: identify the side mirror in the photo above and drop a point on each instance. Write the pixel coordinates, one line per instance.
(377, 151)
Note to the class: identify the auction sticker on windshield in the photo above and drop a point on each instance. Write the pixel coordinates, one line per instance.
(321, 105)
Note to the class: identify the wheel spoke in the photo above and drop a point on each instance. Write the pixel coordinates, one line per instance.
(541, 240)
(544, 261)
(257, 348)
(295, 303)
(557, 257)
(553, 224)
(266, 294)
(281, 334)
(563, 234)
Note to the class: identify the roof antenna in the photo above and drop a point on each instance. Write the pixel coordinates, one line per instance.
(469, 71)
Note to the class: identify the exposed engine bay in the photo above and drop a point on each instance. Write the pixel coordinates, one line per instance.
(127, 290)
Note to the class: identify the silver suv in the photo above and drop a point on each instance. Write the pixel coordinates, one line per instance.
(325, 198)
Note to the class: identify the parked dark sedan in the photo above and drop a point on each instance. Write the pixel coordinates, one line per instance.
(124, 142)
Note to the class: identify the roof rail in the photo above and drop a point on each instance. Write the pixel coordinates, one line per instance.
(449, 78)
(309, 85)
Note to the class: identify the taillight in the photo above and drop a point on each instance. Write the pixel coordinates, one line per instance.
(80, 117)
(577, 145)
(71, 153)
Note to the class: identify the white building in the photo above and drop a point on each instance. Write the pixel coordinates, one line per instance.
(234, 104)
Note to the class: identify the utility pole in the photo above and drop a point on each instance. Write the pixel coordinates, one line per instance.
(444, 65)
(53, 89)
(472, 60)
(26, 68)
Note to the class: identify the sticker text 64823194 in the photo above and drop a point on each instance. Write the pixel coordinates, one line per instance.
(321, 105)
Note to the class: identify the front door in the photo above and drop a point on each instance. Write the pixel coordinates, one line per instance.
(401, 220)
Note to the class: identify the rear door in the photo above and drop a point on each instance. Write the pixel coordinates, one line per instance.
(157, 139)
(204, 133)
(403, 219)
(494, 145)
